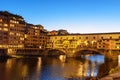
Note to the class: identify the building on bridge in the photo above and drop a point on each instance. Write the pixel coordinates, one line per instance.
(93, 40)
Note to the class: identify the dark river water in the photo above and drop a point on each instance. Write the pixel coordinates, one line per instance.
(54, 68)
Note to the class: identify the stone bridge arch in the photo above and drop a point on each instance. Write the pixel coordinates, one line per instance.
(75, 52)
(81, 51)
(55, 52)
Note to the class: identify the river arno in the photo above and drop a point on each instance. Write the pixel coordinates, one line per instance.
(54, 68)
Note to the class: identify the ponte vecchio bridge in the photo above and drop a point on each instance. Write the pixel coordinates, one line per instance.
(107, 44)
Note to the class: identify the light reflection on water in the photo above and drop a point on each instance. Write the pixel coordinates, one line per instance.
(119, 60)
(53, 68)
(95, 60)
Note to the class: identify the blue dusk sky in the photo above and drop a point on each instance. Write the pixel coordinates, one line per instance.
(76, 16)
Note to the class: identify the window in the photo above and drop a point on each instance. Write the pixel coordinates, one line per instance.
(110, 37)
(11, 25)
(36, 34)
(86, 37)
(0, 45)
(5, 25)
(17, 34)
(94, 37)
(5, 37)
(5, 33)
(117, 40)
(5, 29)
(117, 43)
(17, 22)
(117, 47)
(0, 20)
(12, 21)
(0, 24)
(21, 38)
(103, 43)
(101, 37)
(11, 33)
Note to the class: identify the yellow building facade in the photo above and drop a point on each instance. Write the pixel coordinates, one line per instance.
(95, 40)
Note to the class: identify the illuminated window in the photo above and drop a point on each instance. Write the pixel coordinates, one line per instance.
(0, 20)
(12, 21)
(5, 25)
(0, 24)
(20, 45)
(26, 36)
(117, 47)
(0, 45)
(10, 50)
(5, 29)
(17, 22)
(18, 34)
(14, 18)
(11, 33)
(35, 33)
(12, 25)
(21, 38)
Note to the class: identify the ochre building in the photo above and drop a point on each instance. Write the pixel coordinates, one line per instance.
(12, 28)
(92, 40)
(16, 34)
